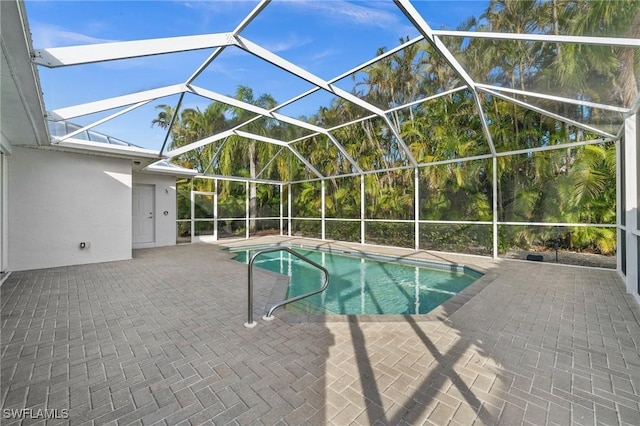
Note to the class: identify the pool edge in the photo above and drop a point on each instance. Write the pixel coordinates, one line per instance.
(440, 313)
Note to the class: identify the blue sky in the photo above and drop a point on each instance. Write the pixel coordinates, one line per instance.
(325, 37)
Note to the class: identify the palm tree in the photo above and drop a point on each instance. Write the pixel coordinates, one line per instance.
(580, 67)
(201, 124)
(562, 185)
(190, 126)
(244, 157)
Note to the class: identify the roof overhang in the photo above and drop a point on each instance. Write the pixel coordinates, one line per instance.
(23, 117)
(139, 157)
(165, 168)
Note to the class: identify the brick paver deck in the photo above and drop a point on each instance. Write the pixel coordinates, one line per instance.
(160, 340)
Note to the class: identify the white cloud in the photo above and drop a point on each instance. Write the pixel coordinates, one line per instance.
(290, 42)
(322, 54)
(353, 13)
(232, 73)
(375, 14)
(229, 11)
(46, 35)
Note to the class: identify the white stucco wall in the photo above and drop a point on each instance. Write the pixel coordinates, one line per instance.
(58, 200)
(165, 201)
(4, 224)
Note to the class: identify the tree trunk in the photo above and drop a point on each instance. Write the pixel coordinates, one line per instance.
(628, 78)
(563, 106)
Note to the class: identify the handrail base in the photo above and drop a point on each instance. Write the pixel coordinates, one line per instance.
(250, 323)
(268, 317)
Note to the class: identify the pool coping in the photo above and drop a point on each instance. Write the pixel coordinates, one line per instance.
(440, 313)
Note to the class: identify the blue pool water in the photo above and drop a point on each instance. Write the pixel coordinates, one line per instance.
(359, 285)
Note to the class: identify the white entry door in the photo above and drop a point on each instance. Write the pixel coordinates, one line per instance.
(143, 214)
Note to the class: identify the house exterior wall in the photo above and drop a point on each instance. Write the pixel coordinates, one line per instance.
(165, 201)
(58, 200)
(4, 225)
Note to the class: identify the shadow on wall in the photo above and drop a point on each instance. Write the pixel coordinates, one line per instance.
(123, 178)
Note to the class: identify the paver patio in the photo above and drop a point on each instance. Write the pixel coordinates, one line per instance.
(159, 339)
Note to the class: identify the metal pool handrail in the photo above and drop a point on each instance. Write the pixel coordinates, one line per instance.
(250, 323)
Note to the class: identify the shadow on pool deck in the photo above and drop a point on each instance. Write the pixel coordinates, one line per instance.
(159, 338)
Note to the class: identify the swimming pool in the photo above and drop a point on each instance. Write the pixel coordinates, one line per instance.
(361, 284)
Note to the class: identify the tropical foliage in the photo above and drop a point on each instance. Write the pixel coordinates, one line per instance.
(567, 183)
